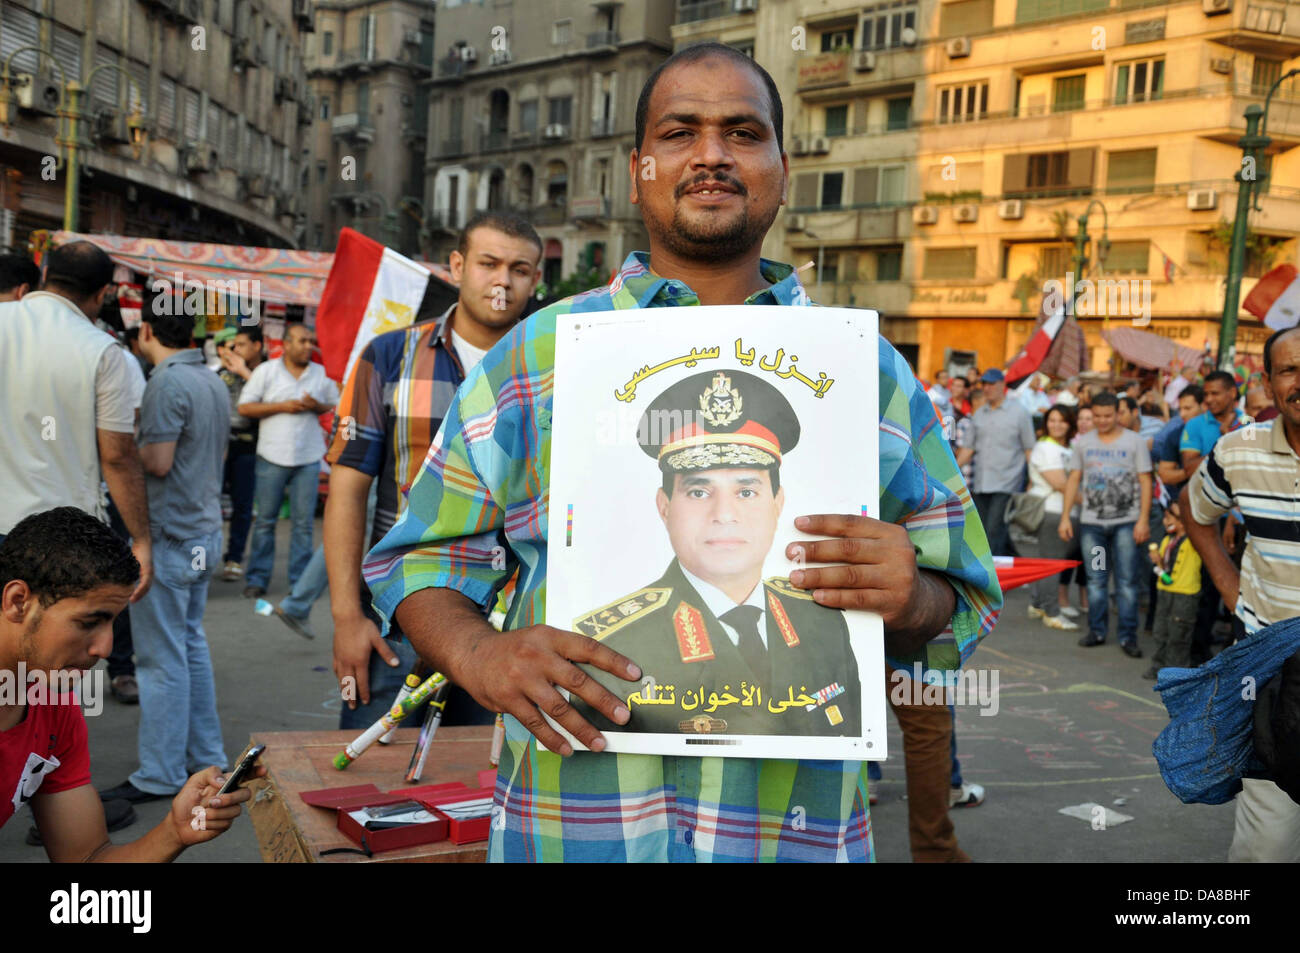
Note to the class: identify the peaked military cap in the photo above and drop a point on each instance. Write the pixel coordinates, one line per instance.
(718, 419)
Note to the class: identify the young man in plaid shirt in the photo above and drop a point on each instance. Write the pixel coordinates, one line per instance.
(709, 172)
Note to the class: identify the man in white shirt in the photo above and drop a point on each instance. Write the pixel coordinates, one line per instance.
(67, 418)
(287, 395)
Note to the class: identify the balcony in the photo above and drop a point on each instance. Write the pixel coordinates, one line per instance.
(452, 67)
(888, 297)
(451, 147)
(602, 127)
(549, 214)
(353, 126)
(444, 220)
(589, 208)
(603, 40)
(688, 12)
(494, 141)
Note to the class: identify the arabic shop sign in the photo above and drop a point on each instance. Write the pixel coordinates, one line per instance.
(1144, 31)
(823, 69)
(949, 296)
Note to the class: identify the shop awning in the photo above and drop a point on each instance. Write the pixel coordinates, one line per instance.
(1153, 351)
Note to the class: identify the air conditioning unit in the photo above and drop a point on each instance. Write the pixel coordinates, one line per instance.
(411, 37)
(926, 215)
(1214, 7)
(306, 110)
(37, 92)
(744, 6)
(799, 146)
(286, 87)
(864, 61)
(200, 157)
(110, 126)
(499, 57)
(469, 54)
(908, 36)
(966, 214)
(1011, 209)
(958, 46)
(257, 186)
(1202, 200)
(242, 51)
(1223, 66)
(820, 145)
(555, 131)
(795, 223)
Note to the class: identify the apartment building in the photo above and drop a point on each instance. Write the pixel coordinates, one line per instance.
(188, 124)
(367, 64)
(942, 152)
(532, 109)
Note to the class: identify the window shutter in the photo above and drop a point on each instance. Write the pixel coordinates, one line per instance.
(1015, 172)
(865, 186)
(805, 190)
(67, 50)
(859, 117)
(1079, 171)
(20, 28)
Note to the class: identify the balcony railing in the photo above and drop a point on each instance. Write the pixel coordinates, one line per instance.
(493, 141)
(602, 38)
(451, 147)
(602, 127)
(451, 67)
(549, 214)
(354, 126)
(589, 207)
(694, 12)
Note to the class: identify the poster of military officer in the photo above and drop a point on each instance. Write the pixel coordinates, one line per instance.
(673, 497)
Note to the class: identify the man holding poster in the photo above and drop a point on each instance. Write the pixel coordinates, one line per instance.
(767, 658)
(709, 173)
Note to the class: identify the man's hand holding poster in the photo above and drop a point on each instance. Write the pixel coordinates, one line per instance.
(684, 444)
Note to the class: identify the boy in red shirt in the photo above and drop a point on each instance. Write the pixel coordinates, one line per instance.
(63, 578)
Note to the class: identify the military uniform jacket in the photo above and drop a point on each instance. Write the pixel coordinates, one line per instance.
(810, 685)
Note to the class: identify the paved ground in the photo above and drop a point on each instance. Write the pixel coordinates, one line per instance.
(1075, 725)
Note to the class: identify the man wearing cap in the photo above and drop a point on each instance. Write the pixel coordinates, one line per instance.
(1000, 441)
(711, 624)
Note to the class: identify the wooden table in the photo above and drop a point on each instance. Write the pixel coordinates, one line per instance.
(291, 831)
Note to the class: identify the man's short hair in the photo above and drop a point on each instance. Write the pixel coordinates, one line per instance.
(503, 222)
(64, 553)
(18, 270)
(693, 54)
(1104, 399)
(252, 331)
(670, 477)
(1193, 390)
(79, 267)
(158, 310)
(1224, 378)
(1129, 402)
(1268, 347)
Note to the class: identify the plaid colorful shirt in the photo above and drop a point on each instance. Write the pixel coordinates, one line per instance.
(485, 486)
(396, 396)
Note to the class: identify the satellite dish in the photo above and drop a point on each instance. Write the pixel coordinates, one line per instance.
(908, 36)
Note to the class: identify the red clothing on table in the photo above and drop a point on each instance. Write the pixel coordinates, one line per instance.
(46, 751)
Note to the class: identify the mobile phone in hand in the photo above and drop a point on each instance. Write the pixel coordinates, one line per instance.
(242, 769)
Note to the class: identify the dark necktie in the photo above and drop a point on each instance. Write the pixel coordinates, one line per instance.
(744, 619)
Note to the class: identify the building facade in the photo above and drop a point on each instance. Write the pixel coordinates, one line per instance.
(367, 64)
(188, 127)
(532, 109)
(942, 152)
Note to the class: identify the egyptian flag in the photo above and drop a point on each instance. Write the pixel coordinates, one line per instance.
(1275, 300)
(371, 289)
(1035, 351)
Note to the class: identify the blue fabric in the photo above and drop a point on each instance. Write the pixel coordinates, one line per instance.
(1208, 745)
(1164, 446)
(180, 732)
(1116, 547)
(952, 749)
(241, 476)
(271, 482)
(310, 586)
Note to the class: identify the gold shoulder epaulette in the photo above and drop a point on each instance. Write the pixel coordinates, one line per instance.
(609, 619)
(783, 585)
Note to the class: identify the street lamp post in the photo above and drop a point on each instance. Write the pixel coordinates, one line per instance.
(1252, 144)
(1081, 258)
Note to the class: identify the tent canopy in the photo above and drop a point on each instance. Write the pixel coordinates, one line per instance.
(1149, 350)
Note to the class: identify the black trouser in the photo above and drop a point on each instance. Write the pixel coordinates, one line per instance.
(119, 661)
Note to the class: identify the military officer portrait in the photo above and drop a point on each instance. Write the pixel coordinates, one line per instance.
(723, 650)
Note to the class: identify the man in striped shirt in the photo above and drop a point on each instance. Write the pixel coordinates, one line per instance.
(1257, 468)
(709, 173)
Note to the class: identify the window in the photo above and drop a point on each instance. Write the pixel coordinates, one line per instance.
(893, 185)
(562, 33)
(1053, 260)
(889, 264)
(1139, 81)
(1068, 92)
(455, 119)
(835, 39)
(1047, 170)
(963, 103)
(883, 25)
(367, 51)
(528, 116)
(1263, 75)
(832, 189)
(363, 100)
(1127, 258)
(1041, 173)
(744, 46)
(837, 120)
(949, 263)
(1028, 11)
(900, 113)
(324, 107)
(1131, 171)
(327, 44)
(320, 172)
(559, 110)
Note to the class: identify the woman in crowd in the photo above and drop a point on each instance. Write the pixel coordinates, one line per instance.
(1048, 471)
